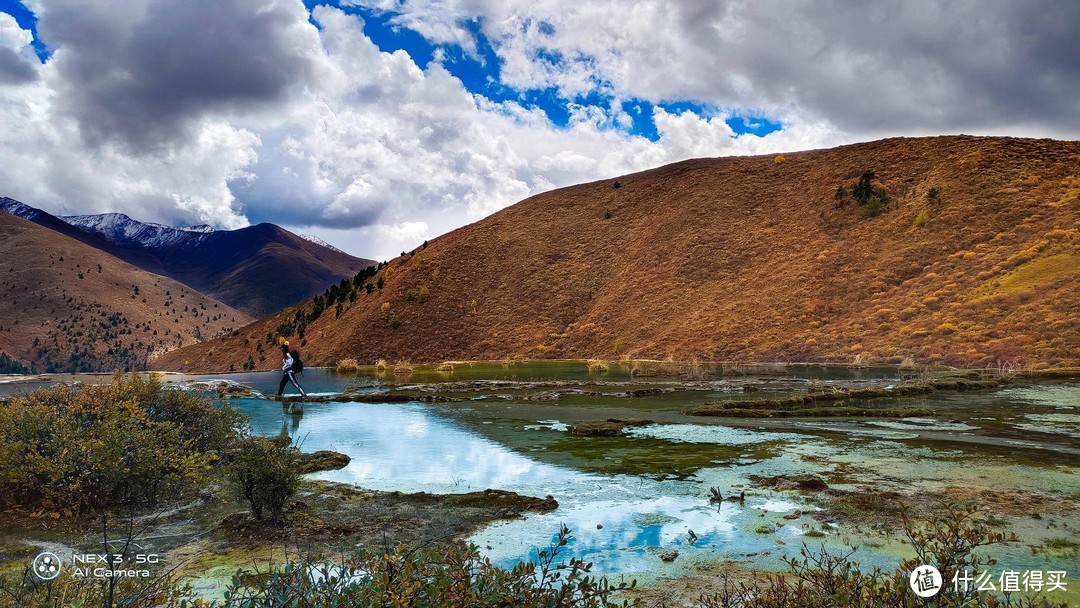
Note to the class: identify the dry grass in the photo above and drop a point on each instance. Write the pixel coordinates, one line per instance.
(381, 365)
(754, 369)
(403, 367)
(445, 366)
(796, 279)
(66, 306)
(597, 365)
(348, 366)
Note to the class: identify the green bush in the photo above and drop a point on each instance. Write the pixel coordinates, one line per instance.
(89, 449)
(874, 201)
(264, 471)
(12, 366)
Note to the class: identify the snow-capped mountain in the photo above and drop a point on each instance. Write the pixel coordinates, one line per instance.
(318, 241)
(259, 269)
(119, 229)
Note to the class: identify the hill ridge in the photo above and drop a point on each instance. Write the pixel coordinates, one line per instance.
(957, 249)
(70, 307)
(260, 269)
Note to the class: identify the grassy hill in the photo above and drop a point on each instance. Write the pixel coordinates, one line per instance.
(959, 250)
(68, 306)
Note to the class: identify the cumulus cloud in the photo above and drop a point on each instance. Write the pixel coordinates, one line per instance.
(143, 72)
(16, 63)
(257, 110)
(865, 67)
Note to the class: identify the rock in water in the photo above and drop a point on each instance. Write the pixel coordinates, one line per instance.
(323, 460)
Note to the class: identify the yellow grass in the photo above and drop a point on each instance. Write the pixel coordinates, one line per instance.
(348, 366)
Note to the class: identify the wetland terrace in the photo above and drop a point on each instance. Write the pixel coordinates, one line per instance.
(672, 475)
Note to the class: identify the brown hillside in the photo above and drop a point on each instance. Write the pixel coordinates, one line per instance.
(67, 306)
(749, 258)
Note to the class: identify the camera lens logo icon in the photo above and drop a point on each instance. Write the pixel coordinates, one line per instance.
(47, 566)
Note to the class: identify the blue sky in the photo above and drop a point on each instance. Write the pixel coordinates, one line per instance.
(28, 21)
(377, 124)
(479, 73)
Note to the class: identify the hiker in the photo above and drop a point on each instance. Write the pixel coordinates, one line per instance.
(290, 367)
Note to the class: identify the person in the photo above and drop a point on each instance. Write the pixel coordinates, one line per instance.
(290, 364)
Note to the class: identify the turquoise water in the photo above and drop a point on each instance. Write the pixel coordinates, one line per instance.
(627, 499)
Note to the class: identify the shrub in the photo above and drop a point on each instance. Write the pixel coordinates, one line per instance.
(264, 472)
(429, 577)
(162, 591)
(822, 578)
(874, 201)
(597, 365)
(921, 219)
(933, 194)
(90, 449)
(418, 295)
(12, 366)
(779, 159)
(381, 365)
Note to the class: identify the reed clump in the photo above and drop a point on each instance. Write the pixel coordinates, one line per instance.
(348, 366)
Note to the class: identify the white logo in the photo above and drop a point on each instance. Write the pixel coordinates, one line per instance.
(925, 581)
(47, 566)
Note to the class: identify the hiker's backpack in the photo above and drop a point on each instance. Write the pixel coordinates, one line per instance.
(297, 364)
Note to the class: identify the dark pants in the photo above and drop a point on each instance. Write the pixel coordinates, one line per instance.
(286, 378)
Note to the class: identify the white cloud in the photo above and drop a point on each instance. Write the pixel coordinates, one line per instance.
(12, 36)
(275, 119)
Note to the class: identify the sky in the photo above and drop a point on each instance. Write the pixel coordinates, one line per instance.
(378, 124)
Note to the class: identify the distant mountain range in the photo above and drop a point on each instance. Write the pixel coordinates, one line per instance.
(957, 250)
(71, 307)
(260, 269)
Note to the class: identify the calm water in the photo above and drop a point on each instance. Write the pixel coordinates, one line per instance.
(627, 499)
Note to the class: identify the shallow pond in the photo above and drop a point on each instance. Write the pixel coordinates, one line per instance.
(628, 498)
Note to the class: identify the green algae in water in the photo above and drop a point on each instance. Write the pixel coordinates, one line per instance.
(1062, 424)
(1065, 395)
(700, 433)
(646, 490)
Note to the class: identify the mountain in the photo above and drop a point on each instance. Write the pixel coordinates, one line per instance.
(957, 250)
(51, 222)
(68, 306)
(260, 269)
(318, 241)
(121, 230)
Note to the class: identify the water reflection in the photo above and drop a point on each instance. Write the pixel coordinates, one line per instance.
(409, 448)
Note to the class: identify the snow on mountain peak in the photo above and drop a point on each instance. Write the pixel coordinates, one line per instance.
(318, 241)
(120, 229)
